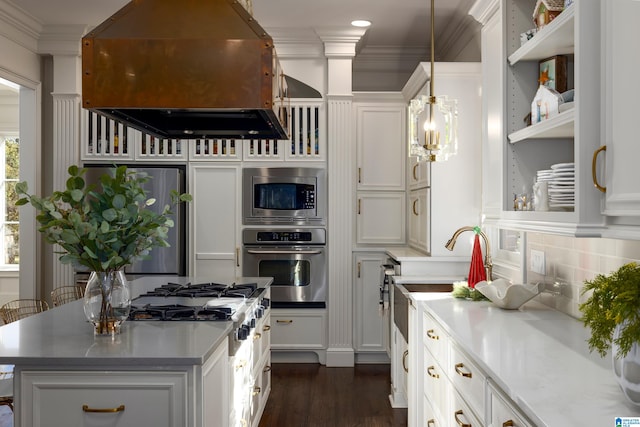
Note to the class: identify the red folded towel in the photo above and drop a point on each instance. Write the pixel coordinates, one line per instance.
(477, 273)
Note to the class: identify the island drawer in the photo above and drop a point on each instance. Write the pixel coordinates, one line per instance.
(114, 398)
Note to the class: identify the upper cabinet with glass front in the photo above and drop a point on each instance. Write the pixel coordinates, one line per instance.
(540, 144)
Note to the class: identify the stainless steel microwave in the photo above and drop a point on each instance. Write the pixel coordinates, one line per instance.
(284, 196)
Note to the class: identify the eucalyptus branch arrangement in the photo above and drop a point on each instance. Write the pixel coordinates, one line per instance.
(615, 301)
(102, 229)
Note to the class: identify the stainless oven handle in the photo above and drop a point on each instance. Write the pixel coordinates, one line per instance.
(262, 252)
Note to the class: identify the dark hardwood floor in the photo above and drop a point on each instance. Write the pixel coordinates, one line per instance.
(312, 395)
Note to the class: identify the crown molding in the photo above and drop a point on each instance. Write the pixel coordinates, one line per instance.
(482, 10)
(18, 26)
(61, 39)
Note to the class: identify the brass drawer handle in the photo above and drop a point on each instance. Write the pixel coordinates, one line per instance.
(459, 371)
(460, 423)
(431, 334)
(284, 321)
(257, 336)
(508, 423)
(414, 209)
(266, 328)
(415, 175)
(85, 408)
(593, 169)
(431, 422)
(404, 360)
(266, 369)
(256, 391)
(431, 372)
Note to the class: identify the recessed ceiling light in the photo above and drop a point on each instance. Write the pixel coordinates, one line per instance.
(361, 23)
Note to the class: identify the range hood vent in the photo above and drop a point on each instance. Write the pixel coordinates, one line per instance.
(186, 69)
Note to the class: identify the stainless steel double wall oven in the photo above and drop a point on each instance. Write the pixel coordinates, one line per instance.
(284, 237)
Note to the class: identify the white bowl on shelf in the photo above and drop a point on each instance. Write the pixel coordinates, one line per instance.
(507, 295)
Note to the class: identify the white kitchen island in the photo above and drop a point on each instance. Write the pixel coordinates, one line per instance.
(478, 364)
(154, 373)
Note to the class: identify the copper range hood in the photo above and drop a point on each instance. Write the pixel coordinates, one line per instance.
(185, 69)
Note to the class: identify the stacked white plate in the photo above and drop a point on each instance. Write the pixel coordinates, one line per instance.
(562, 186)
(544, 175)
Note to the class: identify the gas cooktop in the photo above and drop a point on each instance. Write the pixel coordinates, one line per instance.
(195, 302)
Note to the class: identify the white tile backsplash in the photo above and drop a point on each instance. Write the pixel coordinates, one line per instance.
(570, 261)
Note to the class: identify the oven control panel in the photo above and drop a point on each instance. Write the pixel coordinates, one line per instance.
(284, 236)
(292, 236)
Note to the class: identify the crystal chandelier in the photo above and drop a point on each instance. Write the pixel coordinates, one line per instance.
(441, 127)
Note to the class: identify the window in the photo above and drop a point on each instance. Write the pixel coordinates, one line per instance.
(9, 220)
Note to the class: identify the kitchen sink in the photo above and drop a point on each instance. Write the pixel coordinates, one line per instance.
(428, 287)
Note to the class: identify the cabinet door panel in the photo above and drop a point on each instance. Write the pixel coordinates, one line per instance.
(621, 92)
(58, 398)
(381, 217)
(380, 142)
(371, 328)
(215, 225)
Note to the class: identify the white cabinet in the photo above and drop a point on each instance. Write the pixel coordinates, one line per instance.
(419, 219)
(380, 217)
(215, 220)
(503, 413)
(82, 398)
(419, 174)
(399, 369)
(299, 330)
(215, 388)
(381, 157)
(371, 319)
(380, 144)
(569, 137)
(451, 389)
(449, 381)
(620, 91)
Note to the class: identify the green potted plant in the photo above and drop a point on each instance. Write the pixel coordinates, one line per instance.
(612, 312)
(103, 229)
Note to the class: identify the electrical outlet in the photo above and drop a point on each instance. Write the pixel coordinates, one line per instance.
(537, 261)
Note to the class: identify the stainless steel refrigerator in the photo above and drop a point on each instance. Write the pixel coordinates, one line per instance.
(170, 260)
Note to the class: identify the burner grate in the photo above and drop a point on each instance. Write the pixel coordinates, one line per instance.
(179, 312)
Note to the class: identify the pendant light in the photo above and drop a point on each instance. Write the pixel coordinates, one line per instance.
(441, 127)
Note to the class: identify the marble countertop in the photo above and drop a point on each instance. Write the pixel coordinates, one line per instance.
(539, 357)
(62, 337)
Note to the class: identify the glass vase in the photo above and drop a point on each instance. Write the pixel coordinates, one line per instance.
(107, 301)
(627, 369)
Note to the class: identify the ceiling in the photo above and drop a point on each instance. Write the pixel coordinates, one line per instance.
(399, 28)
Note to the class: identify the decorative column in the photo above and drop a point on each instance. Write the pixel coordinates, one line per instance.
(63, 43)
(340, 50)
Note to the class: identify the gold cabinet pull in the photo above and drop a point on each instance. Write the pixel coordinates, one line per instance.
(257, 336)
(256, 391)
(359, 205)
(508, 423)
(404, 360)
(460, 423)
(241, 364)
(414, 172)
(359, 175)
(414, 208)
(432, 334)
(593, 169)
(431, 371)
(237, 257)
(460, 372)
(266, 328)
(86, 408)
(266, 369)
(359, 268)
(431, 422)
(284, 321)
